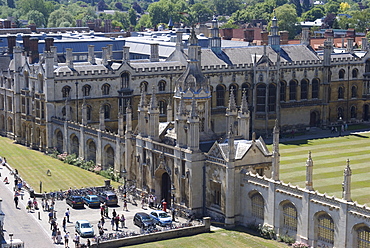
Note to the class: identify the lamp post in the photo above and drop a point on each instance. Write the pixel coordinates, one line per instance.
(340, 121)
(11, 239)
(124, 173)
(173, 202)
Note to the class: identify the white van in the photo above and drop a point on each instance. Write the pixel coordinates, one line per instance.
(15, 243)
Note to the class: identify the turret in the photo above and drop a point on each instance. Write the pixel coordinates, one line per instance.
(193, 133)
(101, 118)
(328, 47)
(231, 111)
(243, 118)
(275, 153)
(181, 125)
(154, 52)
(347, 183)
(274, 37)
(126, 54)
(153, 117)
(91, 54)
(143, 114)
(215, 40)
(309, 172)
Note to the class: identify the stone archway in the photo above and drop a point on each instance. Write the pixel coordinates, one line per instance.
(91, 151)
(75, 145)
(166, 188)
(108, 157)
(314, 119)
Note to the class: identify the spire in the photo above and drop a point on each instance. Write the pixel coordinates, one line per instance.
(275, 152)
(193, 113)
(182, 107)
(153, 100)
(309, 172)
(142, 103)
(128, 118)
(231, 144)
(347, 183)
(244, 105)
(84, 112)
(232, 104)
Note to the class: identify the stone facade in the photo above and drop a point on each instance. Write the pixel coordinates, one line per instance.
(185, 129)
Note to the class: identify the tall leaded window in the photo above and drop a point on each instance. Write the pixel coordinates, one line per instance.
(315, 88)
(105, 89)
(290, 217)
(220, 95)
(88, 112)
(258, 206)
(272, 98)
(162, 86)
(65, 91)
(363, 237)
(125, 80)
(261, 96)
(292, 90)
(342, 72)
(304, 89)
(143, 86)
(325, 229)
(282, 91)
(354, 91)
(340, 112)
(106, 111)
(354, 73)
(162, 107)
(340, 92)
(86, 90)
(353, 112)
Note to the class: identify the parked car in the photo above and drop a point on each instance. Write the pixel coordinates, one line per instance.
(75, 201)
(109, 198)
(91, 200)
(84, 228)
(161, 217)
(143, 220)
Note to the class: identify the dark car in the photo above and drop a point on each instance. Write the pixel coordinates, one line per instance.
(75, 201)
(143, 220)
(109, 198)
(91, 200)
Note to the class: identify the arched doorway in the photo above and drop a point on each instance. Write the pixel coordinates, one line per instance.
(166, 188)
(314, 119)
(366, 112)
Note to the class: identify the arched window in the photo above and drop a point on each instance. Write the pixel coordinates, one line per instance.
(41, 83)
(143, 86)
(125, 81)
(290, 217)
(105, 89)
(363, 237)
(304, 89)
(65, 91)
(272, 98)
(162, 86)
(341, 93)
(315, 88)
(245, 88)
(162, 107)
(89, 111)
(342, 72)
(86, 90)
(258, 206)
(282, 91)
(106, 111)
(354, 91)
(261, 96)
(220, 95)
(353, 112)
(26, 80)
(340, 112)
(354, 73)
(325, 227)
(292, 90)
(64, 111)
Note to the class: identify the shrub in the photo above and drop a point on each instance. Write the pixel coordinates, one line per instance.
(299, 245)
(286, 239)
(266, 231)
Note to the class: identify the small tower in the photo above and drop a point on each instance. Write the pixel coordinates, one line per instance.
(309, 172)
(143, 114)
(231, 111)
(328, 49)
(215, 40)
(153, 113)
(181, 125)
(84, 112)
(243, 118)
(275, 152)
(347, 183)
(193, 134)
(274, 37)
(305, 38)
(101, 118)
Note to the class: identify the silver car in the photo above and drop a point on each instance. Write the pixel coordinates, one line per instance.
(84, 228)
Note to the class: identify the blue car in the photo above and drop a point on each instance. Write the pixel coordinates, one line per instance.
(161, 218)
(91, 200)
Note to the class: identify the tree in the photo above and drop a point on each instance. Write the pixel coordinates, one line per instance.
(144, 21)
(287, 19)
(11, 3)
(331, 7)
(313, 14)
(162, 11)
(201, 12)
(36, 17)
(59, 16)
(226, 7)
(132, 17)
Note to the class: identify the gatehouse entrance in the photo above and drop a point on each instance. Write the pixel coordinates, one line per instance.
(166, 188)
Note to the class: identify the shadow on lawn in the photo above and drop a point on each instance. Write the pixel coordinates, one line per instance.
(360, 136)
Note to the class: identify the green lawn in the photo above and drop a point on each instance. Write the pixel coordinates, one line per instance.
(221, 238)
(33, 165)
(329, 156)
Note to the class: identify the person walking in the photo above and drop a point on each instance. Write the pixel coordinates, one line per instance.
(112, 223)
(66, 239)
(125, 205)
(68, 213)
(116, 221)
(122, 220)
(64, 224)
(102, 221)
(76, 240)
(114, 213)
(16, 200)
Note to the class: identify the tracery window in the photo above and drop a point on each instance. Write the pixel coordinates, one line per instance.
(106, 111)
(272, 98)
(162, 107)
(341, 73)
(325, 229)
(258, 206)
(86, 90)
(220, 95)
(290, 216)
(354, 91)
(261, 96)
(65, 91)
(354, 73)
(304, 89)
(363, 237)
(282, 91)
(105, 89)
(353, 112)
(340, 93)
(162, 86)
(292, 90)
(315, 88)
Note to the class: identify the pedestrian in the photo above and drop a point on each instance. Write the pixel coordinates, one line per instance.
(114, 213)
(66, 239)
(54, 234)
(101, 231)
(59, 236)
(106, 211)
(116, 221)
(67, 214)
(88, 243)
(6, 181)
(50, 214)
(112, 223)
(64, 224)
(122, 220)
(125, 205)
(76, 240)
(16, 200)
(102, 222)
(29, 205)
(43, 204)
(142, 202)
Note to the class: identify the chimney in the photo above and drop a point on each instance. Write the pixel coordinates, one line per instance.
(284, 36)
(126, 54)
(26, 43)
(305, 38)
(179, 44)
(351, 33)
(104, 56)
(110, 51)
(349, 45)
(48, 43)
(364, 44)
(107, 26)
(53, 49)
(34, 49)
(11, 43)
(7, 24)
(91, 54)
(154, 52)
(329, 33)
(249, 35)
(264, 37)
(79, 23)
(69, 57)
